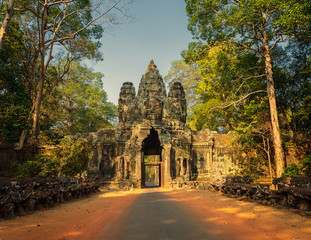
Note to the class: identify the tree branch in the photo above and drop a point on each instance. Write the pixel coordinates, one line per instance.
(59, 2)
(246, 47)
(245, 79)
(73, 35)
(238, 101)
(60, 77)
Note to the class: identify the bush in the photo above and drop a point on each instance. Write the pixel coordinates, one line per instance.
(292, 171)
(72, 156)
(252, 166)
(302, 169)
(306, 166)
(50, 164)
(29, 169)
(69, 158)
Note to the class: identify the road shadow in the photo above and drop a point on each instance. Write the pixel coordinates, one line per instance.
(150, 184)
(158, 216)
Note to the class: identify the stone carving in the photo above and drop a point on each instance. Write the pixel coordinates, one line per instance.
(151, 84)
(153, 109)
(127, 103)
(177, 101)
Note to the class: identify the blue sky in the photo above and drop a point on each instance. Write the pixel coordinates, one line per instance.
(158, 32)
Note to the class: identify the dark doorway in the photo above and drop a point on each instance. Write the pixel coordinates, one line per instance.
(151, 161)
(151, 144)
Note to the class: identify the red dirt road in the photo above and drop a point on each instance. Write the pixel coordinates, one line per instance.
(241, 220)
(80, 219)
(223, 217)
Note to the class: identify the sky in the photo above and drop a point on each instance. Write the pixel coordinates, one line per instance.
(158, 31)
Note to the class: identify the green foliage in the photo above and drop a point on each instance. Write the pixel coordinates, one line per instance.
(69, 158)
(217, 20)
(30, 169)
(252, 166)
(71, 31)
(302, 169)
(78, 105)
(235, 33)
(13, 120)
(72, 156)
(228, 76)
(62, 20)
(15, 102)
(253, 124)
(292, 171)
(189, 75)
(293, 83)
(50, 164)
(150, 170)
(306, 166)
(238, 40)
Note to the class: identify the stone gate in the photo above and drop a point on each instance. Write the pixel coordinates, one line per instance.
(152, 125)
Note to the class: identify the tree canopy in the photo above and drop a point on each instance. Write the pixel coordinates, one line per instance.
(47, 42)
(78, 104)
(250, 28)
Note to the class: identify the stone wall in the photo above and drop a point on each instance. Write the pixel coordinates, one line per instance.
(287, 192)
(292, 193)
(21, 196)
(213, 156)
(104, 150)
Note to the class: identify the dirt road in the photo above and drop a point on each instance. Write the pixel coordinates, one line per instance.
(158, 214)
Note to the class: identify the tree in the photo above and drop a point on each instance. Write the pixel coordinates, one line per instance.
(77, 105)
(253, 136)
(257, 26)
(293, 90)
(6, 21)
(15, 102)
(230, 76)
(70, 25)
(58, 31)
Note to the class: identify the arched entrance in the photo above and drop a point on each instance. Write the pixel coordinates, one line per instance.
(152, 165)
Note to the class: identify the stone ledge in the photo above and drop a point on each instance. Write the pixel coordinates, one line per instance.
(303, 182)
(296, 193)
(21, 196)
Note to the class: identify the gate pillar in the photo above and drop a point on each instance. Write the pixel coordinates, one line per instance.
(166, 166)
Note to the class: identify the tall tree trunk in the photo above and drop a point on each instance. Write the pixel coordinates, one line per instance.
(37, 103)
(6, 21)
(276, 135)
(269, 158)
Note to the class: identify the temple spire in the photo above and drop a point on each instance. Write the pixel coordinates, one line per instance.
(152, 65)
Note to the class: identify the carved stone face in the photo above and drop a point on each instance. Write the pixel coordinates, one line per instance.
(127, 91)
(153, 109)
(177, 101)
(126, 102)
(176, 91)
